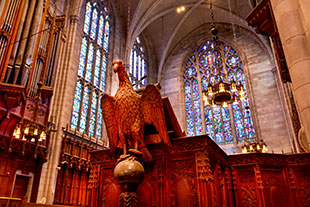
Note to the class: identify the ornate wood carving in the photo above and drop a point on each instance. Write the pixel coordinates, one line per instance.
(127, 113)
(195, 172)
(247, 191)
(275, 190)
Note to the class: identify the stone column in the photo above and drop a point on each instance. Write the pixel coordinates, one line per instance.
(292, 28)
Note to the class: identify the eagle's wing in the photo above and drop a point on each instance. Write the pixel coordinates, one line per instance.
(109, 117)
(153, 112)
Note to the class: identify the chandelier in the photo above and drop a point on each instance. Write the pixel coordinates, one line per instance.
(255, 147)
(223, 92)
(30, 132)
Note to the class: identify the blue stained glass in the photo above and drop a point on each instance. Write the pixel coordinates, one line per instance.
(245, 103)
(94, 24)
(197, 113)
(216, 110)
(75, 119)
(205, 83)
(188, 97)
(198, 130)
(248, 122)
(250, 133)
(76, 105)
(86, 115)
(198, 122)
(246, 113)
(237, 115)
(228, 137)
(187, 87)
(92, 121)
(106, 9)
(212, 79)
(233, 61)
(219, 138)
(97, 69)
(195, 96)
(101, 31)
(239, 124)
(190, 131)
(218, 78)
(210, 59)
(235, 106)
(217, 120)
(209, 116)
(215, 71)
(90, 58)
(189, 105)
(99, 121)
(87, 17)
(190, 123)
(217, 124)
(195, 85)
(189, 113)
(188, 73)
(211, 135)
(82, 57)
(227, 126)
(209, 128)
(231, 76)
(240, 75)
(225, 114)
(197, 105)
(240, 133)
(84, 111)
(103, 73)
(106, 36)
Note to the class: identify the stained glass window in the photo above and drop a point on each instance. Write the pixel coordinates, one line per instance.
(225, 125)
(86, 113)
(137, 71)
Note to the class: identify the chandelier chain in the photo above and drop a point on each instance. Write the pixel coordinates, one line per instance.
(232, 21)
(211, 13)
(128, 18)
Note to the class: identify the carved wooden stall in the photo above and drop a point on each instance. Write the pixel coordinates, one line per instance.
(74, 168)
(196, 172)
(30, 39)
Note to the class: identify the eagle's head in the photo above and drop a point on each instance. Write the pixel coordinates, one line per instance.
(116, 65)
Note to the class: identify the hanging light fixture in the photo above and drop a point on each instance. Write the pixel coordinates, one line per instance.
(255, 147)
(223, 92)
(29, 132)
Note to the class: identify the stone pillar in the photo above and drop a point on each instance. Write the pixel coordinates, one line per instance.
(293, 30)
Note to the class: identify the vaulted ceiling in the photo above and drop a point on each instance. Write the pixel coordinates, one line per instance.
(165, 28)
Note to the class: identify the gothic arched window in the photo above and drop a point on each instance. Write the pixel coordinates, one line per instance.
(225, 125)
(87, 114)
(137, 71)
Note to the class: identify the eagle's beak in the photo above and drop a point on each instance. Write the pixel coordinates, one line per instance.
(115, 67)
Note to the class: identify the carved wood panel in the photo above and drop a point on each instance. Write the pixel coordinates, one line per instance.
(193, 172)
(246, 187)
(275, 188)
(182, 188)
(302, 177)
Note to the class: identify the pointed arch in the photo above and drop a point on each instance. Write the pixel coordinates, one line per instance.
(205, 67)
